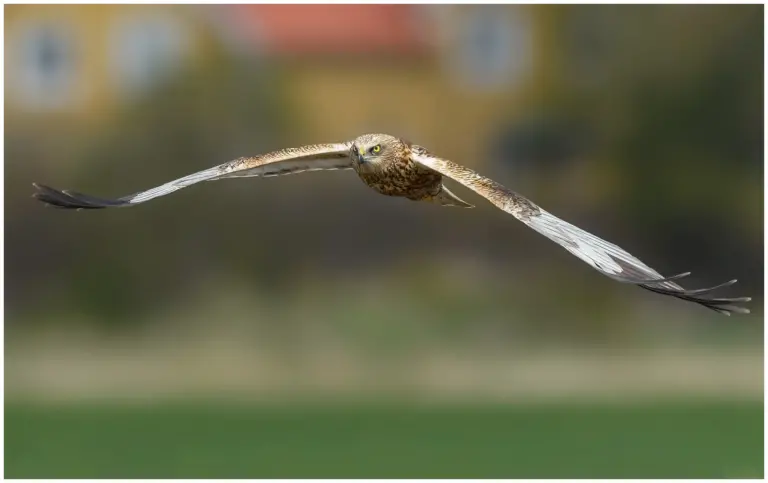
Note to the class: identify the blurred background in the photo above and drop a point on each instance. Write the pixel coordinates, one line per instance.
(304, 326)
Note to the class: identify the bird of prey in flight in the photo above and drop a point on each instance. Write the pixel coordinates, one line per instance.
(395, 167)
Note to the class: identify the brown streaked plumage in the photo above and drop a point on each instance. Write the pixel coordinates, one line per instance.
(394, 167)
(393, 172)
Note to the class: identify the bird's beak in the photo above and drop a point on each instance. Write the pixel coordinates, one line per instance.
(359, 153)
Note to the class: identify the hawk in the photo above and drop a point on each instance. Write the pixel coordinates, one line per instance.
(394, 167)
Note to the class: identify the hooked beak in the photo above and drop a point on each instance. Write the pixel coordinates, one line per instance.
(359, 155)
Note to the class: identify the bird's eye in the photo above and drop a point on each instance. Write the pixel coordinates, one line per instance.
(376, 149)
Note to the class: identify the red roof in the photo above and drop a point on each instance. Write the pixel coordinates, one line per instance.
(315, 28)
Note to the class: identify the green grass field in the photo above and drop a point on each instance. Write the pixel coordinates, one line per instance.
(556, 441)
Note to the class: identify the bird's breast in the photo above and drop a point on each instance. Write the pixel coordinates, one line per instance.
(402, 179)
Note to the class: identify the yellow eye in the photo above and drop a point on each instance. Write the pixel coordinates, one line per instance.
(376, 149)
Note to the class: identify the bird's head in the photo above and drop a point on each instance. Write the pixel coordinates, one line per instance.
(373, 151)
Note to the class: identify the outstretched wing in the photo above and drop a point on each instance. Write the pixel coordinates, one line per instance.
(605, 257)
(287, 161)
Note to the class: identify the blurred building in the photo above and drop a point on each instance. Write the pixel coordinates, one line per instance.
(395, 68)
(344, 69)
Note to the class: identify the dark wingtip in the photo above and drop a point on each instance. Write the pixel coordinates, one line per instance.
(71, 200)
(721, 305)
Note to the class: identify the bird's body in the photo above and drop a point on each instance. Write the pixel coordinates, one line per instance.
(395, 173)
(402, 177)
(394, 167)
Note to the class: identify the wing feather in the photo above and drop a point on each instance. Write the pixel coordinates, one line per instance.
(603, 256)
(286, 161)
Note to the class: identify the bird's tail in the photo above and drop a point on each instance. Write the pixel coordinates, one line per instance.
(446, 198)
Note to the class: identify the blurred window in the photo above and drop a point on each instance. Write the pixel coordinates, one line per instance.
(147, 51)
(45, 70)
(495, 47)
